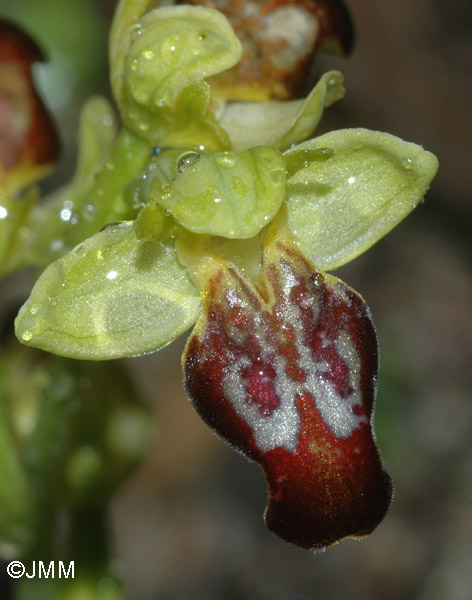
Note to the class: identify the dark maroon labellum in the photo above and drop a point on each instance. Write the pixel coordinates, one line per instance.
(286, 373)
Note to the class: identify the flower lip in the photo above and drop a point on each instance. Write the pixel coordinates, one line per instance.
(286, 372)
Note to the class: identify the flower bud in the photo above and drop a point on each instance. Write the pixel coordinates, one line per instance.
(280, 40)
(29, 144)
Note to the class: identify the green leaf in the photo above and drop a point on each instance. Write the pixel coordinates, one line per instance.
(280, 124)
(227, 194)
(368, 182)
(110, 297)
(160, 90)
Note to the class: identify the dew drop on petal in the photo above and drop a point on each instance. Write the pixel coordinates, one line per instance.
(187, 160)
(226, 160)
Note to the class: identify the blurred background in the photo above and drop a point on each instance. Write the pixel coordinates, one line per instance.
(188, 522)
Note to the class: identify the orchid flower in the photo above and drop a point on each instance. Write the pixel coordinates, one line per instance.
(239, 223)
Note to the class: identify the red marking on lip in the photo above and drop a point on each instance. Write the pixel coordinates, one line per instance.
(327, 486)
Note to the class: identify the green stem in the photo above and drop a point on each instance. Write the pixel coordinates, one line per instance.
(18, 509)
(127, 159)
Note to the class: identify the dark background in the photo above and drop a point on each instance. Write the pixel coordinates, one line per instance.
(188, 523)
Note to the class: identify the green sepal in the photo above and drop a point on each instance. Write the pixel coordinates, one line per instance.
(228, 194)
(365, 185)
(92, 198)
(110, 297)
(159, 85)
(280, 124)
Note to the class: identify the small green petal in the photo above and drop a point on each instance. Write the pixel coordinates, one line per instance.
(161, 93)
(227, 194)
(280, 124)
(110, 297)
(341, 205)
(123, 29)
(93, 197)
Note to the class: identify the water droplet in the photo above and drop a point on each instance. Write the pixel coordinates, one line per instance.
(148, 53)
(66, 214)
(407, 163)
(136, 31)
(187, 160)
(34, 309)
(302, 159)
(226, 160)
(27, 336)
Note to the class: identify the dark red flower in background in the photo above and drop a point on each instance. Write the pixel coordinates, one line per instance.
(29, 144)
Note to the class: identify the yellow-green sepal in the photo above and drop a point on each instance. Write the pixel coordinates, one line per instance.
(111, 296)
(158, 76)
(365, 185)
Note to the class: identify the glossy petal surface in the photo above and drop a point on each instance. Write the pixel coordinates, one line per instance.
(227, 194)
(112, 296)
(286, 373)
(339, 207)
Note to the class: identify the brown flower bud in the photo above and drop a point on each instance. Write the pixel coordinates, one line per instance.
(280, 39)
(28, 140)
